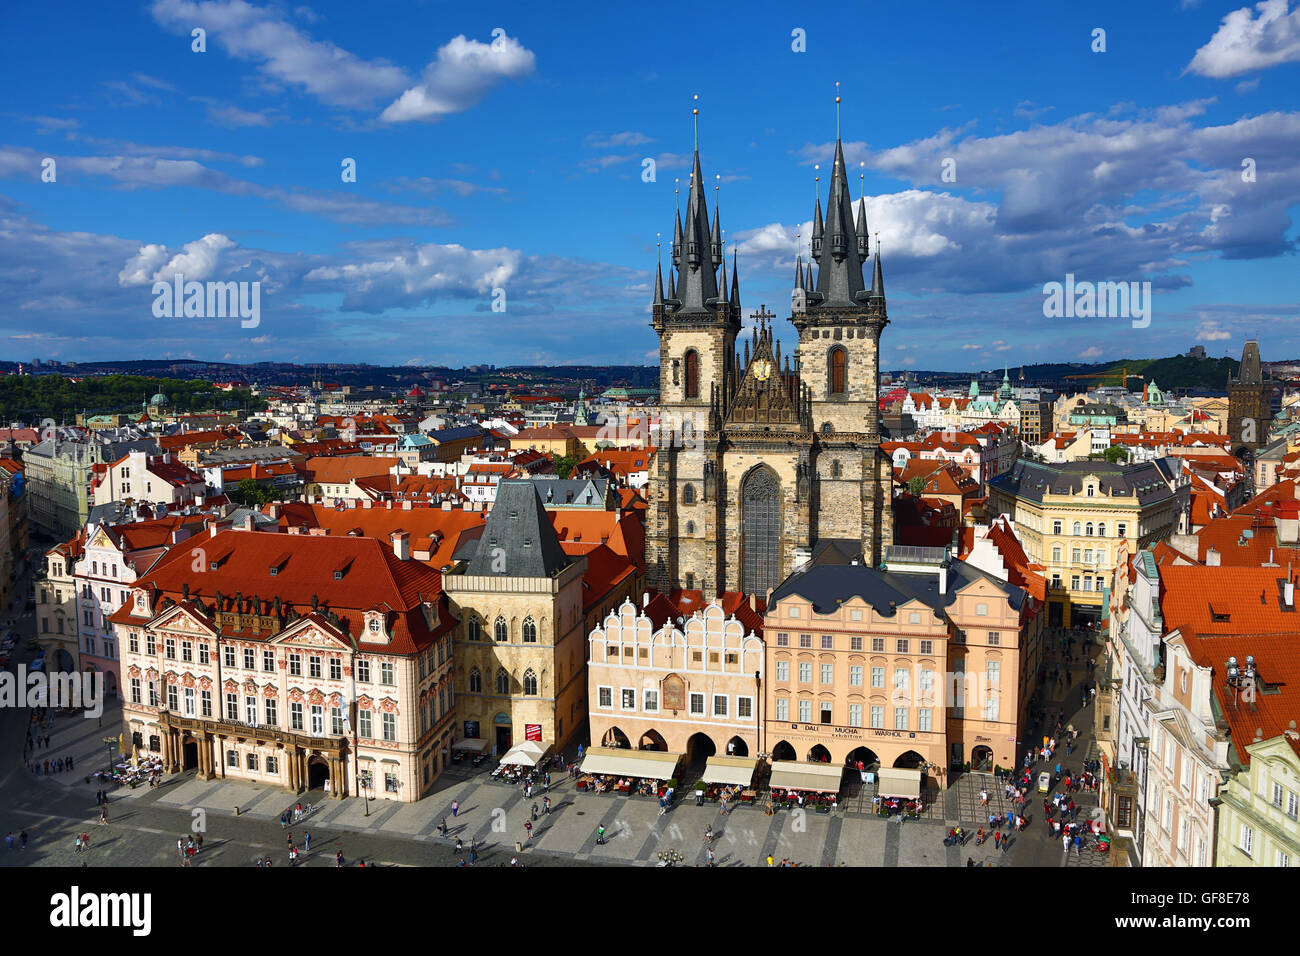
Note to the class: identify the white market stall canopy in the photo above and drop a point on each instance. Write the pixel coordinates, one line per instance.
(803, 775)
(730, 771)
(900, 783)
(473, 744)
(527, 754)
(641, 764)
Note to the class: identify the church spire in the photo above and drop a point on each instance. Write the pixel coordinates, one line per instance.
(840, 280)
(798, 271)
(817, 230)
(864, 248)
(697, 285)
(735, 282)
(877, 277)
(659, 285)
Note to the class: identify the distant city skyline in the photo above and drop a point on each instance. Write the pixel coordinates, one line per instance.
(503, 206)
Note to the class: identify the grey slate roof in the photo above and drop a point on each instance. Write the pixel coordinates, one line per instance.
(455, 434)
(1034, 479)
(572, 491)
(829, 585)
(518, 540)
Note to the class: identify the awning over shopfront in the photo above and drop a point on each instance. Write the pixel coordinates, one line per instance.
(641, 764)
(801, 775)
(730, 771)
(900, 783)
(527, 754)
(472, 744)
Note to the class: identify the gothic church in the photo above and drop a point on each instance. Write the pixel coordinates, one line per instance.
(764, 461)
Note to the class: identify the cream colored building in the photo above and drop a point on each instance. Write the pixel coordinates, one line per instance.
(1258, 806)
(56, 605)
(521, 654)
(692, 689)
(1075, 518)
(302, 662)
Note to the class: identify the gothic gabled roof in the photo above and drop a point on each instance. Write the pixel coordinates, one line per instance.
(767, 394)
(518, 539)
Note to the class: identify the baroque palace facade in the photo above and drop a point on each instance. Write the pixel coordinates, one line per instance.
(759, 462)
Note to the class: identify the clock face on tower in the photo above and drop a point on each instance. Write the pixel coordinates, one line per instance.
(762, 370)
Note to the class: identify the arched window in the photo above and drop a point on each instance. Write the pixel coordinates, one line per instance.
(472, 628)
(690, 527)
(1087, 529)
(1101, 530)
(692, 374)
(839, 368)
(835, 469)
(688, 495)
(1078, 528)
(503, 681)
(530, 631)
(502, 632)
(530, 683)
(475, 681)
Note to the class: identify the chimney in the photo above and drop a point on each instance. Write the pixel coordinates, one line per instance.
(1288, 593)
(645, 599)
(401, 545)
(249, 523)
(943, 578)
(275, 512)
(1212, 558)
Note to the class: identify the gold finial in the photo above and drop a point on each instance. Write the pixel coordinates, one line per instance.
(696, 113)
(837, 109)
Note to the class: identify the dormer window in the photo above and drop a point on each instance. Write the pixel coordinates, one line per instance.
(374, 625)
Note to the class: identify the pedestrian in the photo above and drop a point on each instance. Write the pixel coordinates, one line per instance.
(85, 840)
(23, 836)
(284, 819)
(455, 807)
(473, 857)
(533, 811)
(708, 856)
(600, 835)
(442, 826)
(198, 841)
(528, 831)
(9, 840)
(459, 845)
(1065, 842)
(708, 834)
(180, 848)
(288, 839)
(338, 858)
(76, 850)
(103, 818)
(997, 839)
(546, 804)
(47, 741)
(306, 842)
(69, 763)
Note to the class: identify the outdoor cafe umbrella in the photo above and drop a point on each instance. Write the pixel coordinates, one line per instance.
(135, 757)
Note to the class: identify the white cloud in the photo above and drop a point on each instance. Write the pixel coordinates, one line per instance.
(463, 72)
(282, 51)
(1244, 43)
(198, 261)
(1093, 352)
(614, 140)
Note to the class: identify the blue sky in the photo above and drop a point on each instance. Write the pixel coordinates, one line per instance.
(502, 147)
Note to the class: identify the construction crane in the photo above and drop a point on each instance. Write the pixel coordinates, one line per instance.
(1115, 373)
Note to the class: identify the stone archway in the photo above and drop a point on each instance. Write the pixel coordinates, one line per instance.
(652, 740)
(318, 772)
(909, 760)
(784, 751)
(819, 754)
(614, 737)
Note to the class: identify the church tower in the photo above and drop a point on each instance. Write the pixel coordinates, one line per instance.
(697, 323)
(839, 321)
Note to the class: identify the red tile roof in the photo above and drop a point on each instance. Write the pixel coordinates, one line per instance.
(1236, 612)
(375, 579)
(340, 471)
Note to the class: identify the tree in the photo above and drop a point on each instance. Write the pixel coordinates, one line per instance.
(564, 465)
(251, 494)
(1116, 453)
(916, 486)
